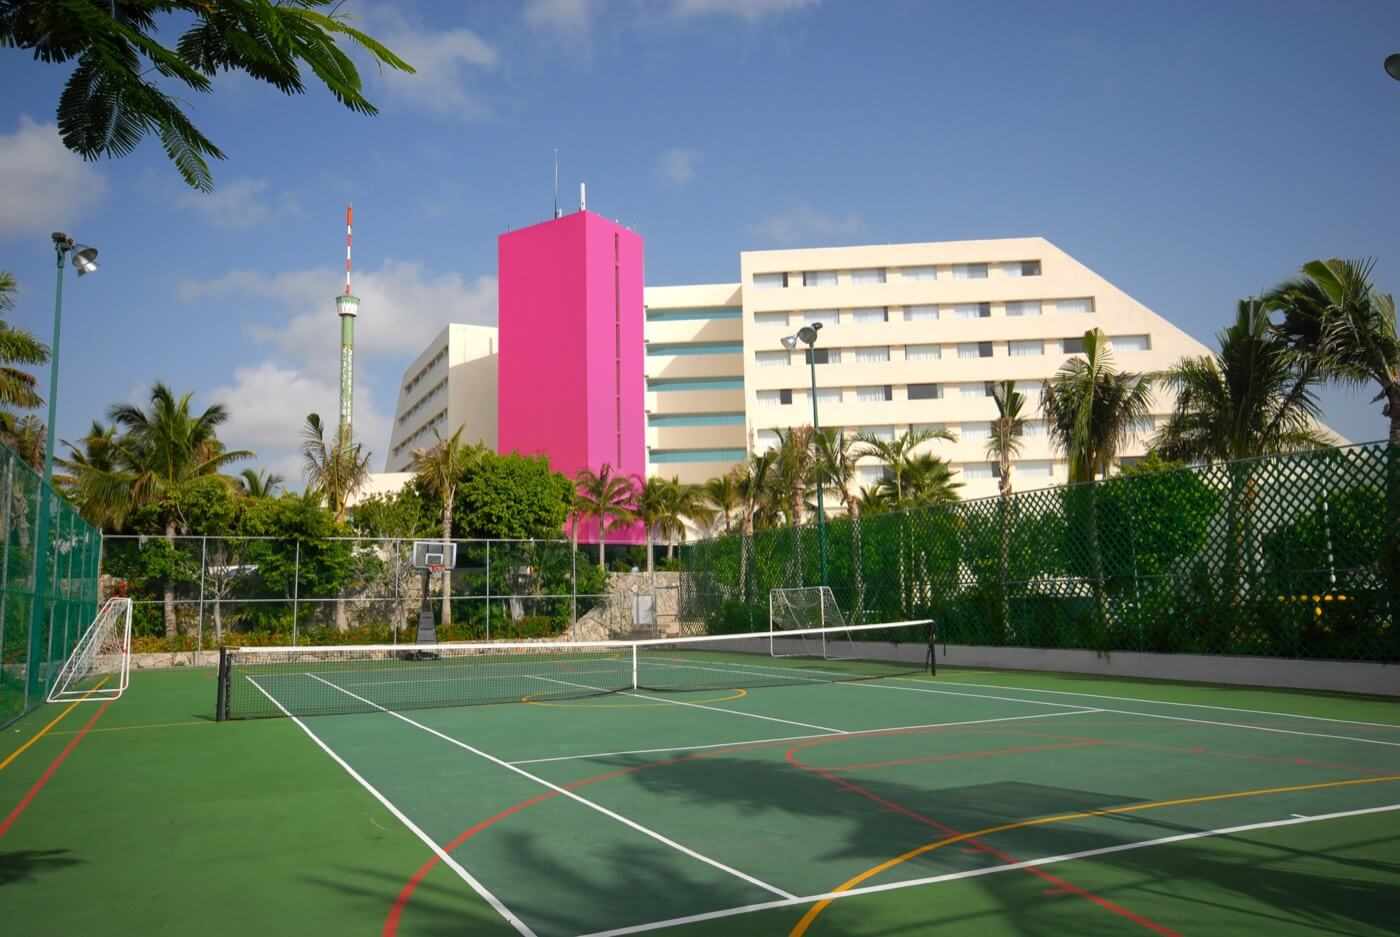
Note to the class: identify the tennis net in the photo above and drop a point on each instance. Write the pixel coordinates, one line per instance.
(308, 681)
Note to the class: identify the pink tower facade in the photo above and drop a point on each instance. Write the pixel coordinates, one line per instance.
(571, 383)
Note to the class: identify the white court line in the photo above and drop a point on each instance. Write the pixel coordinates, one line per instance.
(854, 733)
(565, 792)
(1162, 702)
(992, 870)
(1129, 712)
(413, 828)
(662, 699)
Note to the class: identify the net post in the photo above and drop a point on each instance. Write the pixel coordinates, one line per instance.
(932, 650)
(221, 693)
(634, 667)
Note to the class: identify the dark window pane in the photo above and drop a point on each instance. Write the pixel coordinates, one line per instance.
(785, 395)
(1030, 268)
(984, 349)
(984, 310)
(820, 355)
(924, 392)
(1074, 346)
(889, 392)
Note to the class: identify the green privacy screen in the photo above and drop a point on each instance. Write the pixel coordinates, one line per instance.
(1294, 556)
(33, 648)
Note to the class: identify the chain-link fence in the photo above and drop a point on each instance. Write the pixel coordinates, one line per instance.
(35, 642)
(194, 593)
(1296, 556)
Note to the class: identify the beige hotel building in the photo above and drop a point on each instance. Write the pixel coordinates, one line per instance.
(912, 336)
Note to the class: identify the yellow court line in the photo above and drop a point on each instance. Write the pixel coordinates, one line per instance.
(583, 704)
(44, 731)
(815, 910)
(150, 725)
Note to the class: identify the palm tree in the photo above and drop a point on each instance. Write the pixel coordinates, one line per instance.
(28, 436)
(1005, 442)
(439, 469)
(655, 507)
(17, 388)
(607, 497)
(335, 472)
(1250, 399)
(873, 501)
(722, 495)
(163, 455)
(1091, 409)
(896, 453)
(257, 483)
(692, 505)
(1338, 323)
(792, 472)
(835, 471)
(97, 449)
(928, 480)
(754, 480)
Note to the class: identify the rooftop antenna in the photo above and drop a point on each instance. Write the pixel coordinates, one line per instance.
(347, 306)
(556, 182)
(583, 196)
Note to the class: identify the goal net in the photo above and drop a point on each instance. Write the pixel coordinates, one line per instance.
(802, 608)
(100, 664)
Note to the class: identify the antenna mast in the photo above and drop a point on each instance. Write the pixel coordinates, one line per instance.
(347, 306)
(556, 182)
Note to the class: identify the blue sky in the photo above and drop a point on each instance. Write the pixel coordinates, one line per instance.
(1193, 153)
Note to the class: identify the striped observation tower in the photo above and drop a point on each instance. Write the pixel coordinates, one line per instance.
(347, 307)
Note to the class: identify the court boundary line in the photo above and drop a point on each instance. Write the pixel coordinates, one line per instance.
(991, 870)
(1162, 702)
(13, 816)
(798, 738)
(661, 699)
(625, 821)
(44, 731)
(496, 904)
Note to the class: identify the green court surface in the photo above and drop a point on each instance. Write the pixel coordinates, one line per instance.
(971, 803)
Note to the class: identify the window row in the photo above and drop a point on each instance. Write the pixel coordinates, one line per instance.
(869, 276)
(930, 312)
(423, 401)
(433, 362)
(878, 354)
(438, 419)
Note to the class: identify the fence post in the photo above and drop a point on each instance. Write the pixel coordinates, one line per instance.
(398, 570)
(203, 565)
(488, 590)
(296, 591)
(573, 590)
(5, 519)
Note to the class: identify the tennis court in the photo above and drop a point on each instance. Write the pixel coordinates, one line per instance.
(760, 794)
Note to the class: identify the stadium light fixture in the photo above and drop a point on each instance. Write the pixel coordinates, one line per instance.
(1392, 65)
(808, 335)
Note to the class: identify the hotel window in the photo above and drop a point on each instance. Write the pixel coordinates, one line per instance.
(868, 476)
(829, 395)
(882, 433)
(770, 318)
(822, 356)
(1074, 305)
(971, 390)
(920, 313)
(772, 359)
(925, 392)
(1023, 310)
(765, 439)
(920, 273)
(819, 278)
(771, 398)
(871, 314)
(922, 352)
(877, 394)
(868, 277)
(969, 271)
(1072, 346)
(785, 396)
(1033, 429)
(770, 281)
(1131, 343)
(1035, 469)
(1025, 349)
(1030, 388)
(1030, 268)
(972, 311)
(927, 428)
(978, 471)
(824, 316)
(976, 432)
(968, 350)
(876, 354)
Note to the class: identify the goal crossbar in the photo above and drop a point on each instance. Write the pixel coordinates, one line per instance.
(100, 666)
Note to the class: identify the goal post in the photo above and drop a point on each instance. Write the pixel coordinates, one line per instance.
(804, 607)
(100, 666)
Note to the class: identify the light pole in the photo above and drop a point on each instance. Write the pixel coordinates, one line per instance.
(808, 336)
(85, 260)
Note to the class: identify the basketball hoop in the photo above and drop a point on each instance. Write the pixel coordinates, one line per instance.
(434, 569)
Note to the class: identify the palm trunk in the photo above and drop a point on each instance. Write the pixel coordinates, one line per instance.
(447, 573)
(602, 552)
(857, 569)
(651, 565)
(745, 533)
(171, 625)
(1096, 568)
(218, 622)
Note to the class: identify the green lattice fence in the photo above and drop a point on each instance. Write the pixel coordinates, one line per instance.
(32, 648)
(1296, 556)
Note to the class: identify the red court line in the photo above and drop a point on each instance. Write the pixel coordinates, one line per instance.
(391, 921)
(50, 771)
(1059, 884)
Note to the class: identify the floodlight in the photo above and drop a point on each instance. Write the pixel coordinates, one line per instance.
(85, 259)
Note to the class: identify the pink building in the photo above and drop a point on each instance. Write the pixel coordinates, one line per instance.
(571, 382)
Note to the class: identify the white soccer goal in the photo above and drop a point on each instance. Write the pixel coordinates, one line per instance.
(100, 665)
(806, 607)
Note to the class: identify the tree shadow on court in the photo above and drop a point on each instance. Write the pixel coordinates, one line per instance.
(26, 865)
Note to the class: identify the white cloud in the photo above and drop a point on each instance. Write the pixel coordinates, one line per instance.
(242, 203)
(677, 165)
(567, 17)
(805, 223)
(444, 62)
(268, 404)
(401, 306)
(745, 9)
(45, 187)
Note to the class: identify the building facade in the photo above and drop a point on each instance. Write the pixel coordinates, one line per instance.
(451, 384)
(913, 336)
